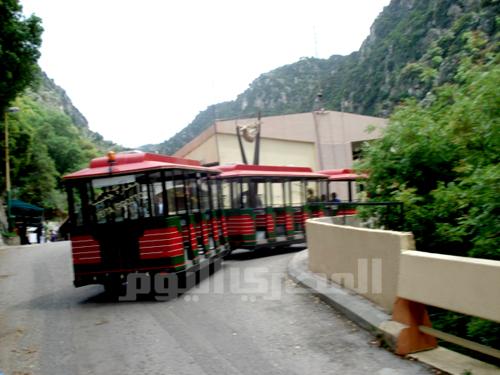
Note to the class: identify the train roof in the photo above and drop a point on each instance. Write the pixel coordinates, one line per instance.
(248, 170)
(133, 162)
(345, 174)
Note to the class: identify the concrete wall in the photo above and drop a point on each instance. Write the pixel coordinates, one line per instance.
(382, 265)
(351, 220)
(363, 260)
(294, 127)
(467, 285)
(321, 140)
(206, 152)
(196, 143)
(272, 151)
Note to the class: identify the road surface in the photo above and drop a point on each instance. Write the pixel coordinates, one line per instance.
(247, 318)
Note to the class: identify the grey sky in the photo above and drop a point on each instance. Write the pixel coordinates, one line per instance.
(141, 71)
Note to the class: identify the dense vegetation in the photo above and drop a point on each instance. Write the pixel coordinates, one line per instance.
(44, 145)
(413, 47)
(20, 39)
(441, 158)
(48, 135)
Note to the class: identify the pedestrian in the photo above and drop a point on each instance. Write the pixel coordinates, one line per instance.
(39, 233)
(334, 198)
(310, 196)
(23, 234)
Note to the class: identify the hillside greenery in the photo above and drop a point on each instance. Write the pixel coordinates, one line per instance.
(44, 145)
(48, 136)
(413, 47)
(20, 39)
(440, 157)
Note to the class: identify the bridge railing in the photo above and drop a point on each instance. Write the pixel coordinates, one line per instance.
(465, 285)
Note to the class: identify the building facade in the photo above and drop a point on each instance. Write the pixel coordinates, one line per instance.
(320, 140)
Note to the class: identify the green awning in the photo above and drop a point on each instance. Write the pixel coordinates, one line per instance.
(20, 208)
(26, 213)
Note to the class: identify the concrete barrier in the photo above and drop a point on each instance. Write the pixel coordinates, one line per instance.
(466, 285)
(383, 267)
(365, 261)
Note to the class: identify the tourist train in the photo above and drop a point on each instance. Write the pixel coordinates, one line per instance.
(137, 212)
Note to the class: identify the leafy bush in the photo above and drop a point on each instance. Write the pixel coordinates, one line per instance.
(441, 159)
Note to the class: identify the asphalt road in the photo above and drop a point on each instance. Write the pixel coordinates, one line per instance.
(247, 318)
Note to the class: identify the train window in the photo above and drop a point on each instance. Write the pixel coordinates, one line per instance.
(214, 194)
(180, 196)
(322, 187)
(171, 203)
(132, 199)
(156, 193)
(192, 195)
(261, 194)
(287, 193)
(243, 199)
(75, 205)
(204, 195)
(312, 191)
(114, 199)
(269, 194)
(297, 188)
(226, 194)
(277, 194)
(144, 196)
(235, 194)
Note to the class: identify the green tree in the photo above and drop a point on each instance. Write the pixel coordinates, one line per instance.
(20, 39)
(441, 159)
(45, 145)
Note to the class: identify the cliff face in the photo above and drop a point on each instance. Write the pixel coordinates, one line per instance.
(413, 47)
(48, 138)
(53, 96)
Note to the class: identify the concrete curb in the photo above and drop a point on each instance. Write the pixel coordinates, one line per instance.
(356, 308)
(371, 317)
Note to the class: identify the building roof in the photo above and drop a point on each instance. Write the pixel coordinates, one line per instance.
(136, 161)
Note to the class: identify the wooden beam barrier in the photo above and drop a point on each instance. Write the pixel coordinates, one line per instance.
(460, 341)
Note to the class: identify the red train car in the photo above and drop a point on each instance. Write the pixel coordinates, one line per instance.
(266, 206)
(343, 185)
(140, 212)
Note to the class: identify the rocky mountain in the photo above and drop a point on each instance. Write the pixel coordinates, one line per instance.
(48, 138)
(49, 95)
(413, 47)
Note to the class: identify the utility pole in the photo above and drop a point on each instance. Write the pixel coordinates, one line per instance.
(7, 162)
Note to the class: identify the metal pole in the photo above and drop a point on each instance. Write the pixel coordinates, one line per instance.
(257, 143)
(240, 142)
(7, 163)
(7, 170)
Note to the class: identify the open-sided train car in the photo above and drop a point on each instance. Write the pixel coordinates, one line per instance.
(267, 206)
(140, 212)
(342, 188)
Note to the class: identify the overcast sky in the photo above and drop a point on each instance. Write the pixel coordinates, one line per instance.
(141, 71)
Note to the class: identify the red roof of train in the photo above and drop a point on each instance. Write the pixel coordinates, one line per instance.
(132, 162)
(244, 170)
(342, 174)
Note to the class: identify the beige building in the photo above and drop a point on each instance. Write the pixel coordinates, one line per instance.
(320, 140)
